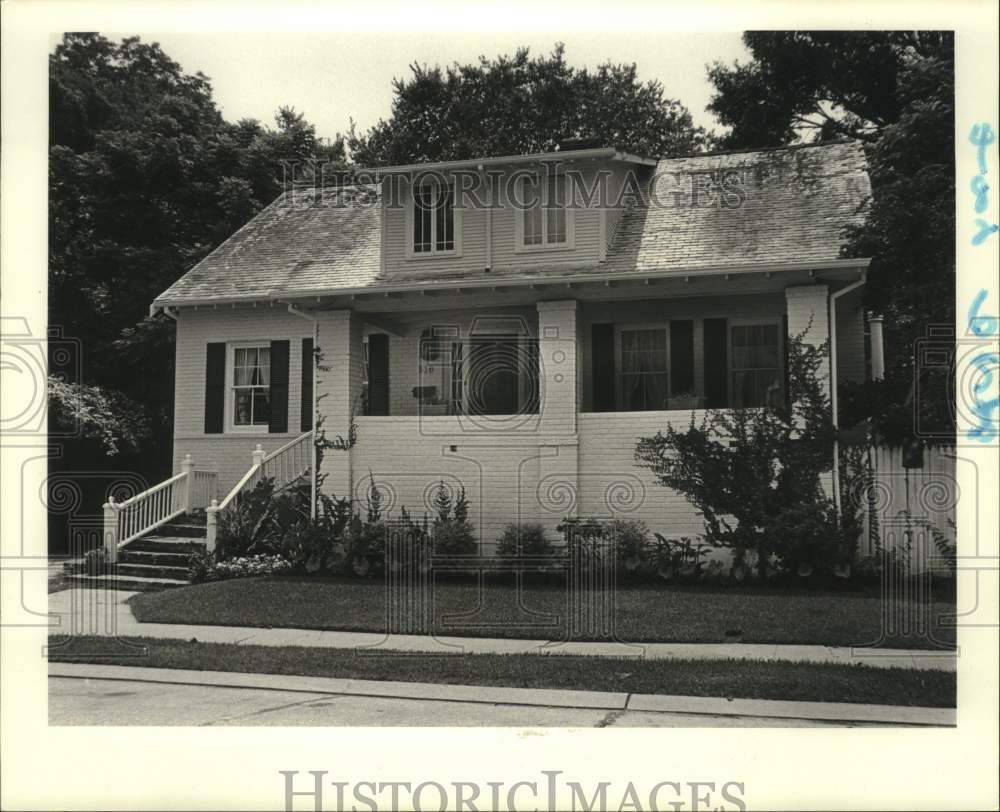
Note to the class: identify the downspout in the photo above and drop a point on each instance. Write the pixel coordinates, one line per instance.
(297, 311)
(878, 348)
(832, 315)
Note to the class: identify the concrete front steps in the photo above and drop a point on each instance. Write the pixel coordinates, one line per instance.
(155, 561)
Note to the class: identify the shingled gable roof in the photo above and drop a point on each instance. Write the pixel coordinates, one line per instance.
(308, 239)
(781, 205)
(796, 203)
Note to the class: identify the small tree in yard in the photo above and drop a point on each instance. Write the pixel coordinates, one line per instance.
(755, 473)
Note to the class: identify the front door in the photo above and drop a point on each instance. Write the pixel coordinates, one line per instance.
(494, 370)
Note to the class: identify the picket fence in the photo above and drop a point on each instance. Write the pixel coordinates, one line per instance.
(903, 502)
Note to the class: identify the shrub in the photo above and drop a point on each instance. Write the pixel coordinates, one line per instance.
(281, 525)
(743, 468)
(201, 568)
(808, 538)
(408, 544)
(454, 538)
(679, 559)
(310, 546)
(452, 533)
(313, 544)
(524, 539)
(249, 525)
(581, 529)
(631, 542)
(96, 561)
(366, 546)
(590, 541)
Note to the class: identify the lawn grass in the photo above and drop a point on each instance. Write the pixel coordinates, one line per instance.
(745, 679)
(642, 613)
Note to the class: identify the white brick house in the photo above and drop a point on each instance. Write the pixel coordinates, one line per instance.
(514, 348)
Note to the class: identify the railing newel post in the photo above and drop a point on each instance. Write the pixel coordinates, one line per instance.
(258, 455)
(187, 468)
(110, 531)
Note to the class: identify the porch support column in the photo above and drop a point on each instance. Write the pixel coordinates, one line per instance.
(558, 404)
(337, 393)
(558, 362)
(808, 316)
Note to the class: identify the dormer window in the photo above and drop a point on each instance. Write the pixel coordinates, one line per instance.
(434, 227)
(545, 221)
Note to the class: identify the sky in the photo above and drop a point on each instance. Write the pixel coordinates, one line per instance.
(333, 78)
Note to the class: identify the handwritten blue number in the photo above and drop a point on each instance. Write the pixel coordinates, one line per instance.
(982, 136)
(985, 431)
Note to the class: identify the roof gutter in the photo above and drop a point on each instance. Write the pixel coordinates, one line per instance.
(495, 281)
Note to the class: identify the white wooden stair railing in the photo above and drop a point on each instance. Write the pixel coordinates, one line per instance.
(126, 521)
(284, 466)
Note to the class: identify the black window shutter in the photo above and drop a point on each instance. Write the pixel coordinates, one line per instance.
(378, 374)
(681, 357)
(215, 388)
(306, 410)
(716, 363)
(456, 378)
(530, 404)
(278, 422)
(602, 346)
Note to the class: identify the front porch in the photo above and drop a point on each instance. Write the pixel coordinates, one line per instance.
(535, 408)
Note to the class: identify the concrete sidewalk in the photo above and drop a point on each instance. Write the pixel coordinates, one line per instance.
(92, 611)
(244, 698)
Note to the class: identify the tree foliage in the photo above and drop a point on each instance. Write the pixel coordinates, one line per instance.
(523, 104)
(108, 419)
(894, 90)
(145, 179)
(754, 473)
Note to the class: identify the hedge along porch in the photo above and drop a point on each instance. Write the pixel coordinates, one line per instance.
(534, 406)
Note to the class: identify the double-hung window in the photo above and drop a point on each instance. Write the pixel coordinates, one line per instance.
(755, 364)
(433, 219)
(251, 385)
(642, 368)
(545, 220)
